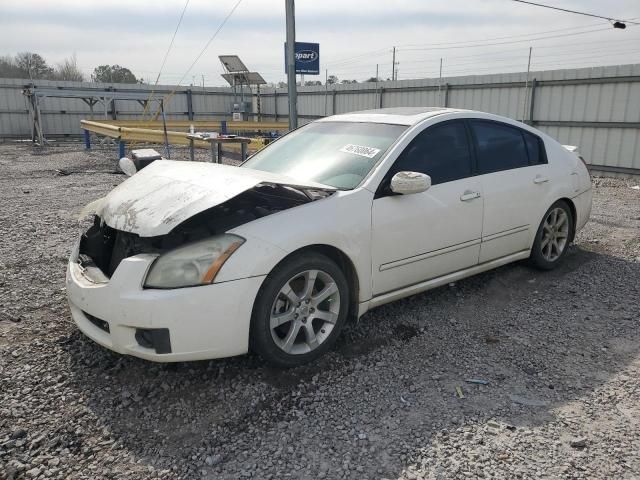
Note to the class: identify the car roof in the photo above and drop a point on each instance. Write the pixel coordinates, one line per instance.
(397, 115)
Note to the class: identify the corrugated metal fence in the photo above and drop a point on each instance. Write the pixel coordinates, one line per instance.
(597, 109)
(61, 116)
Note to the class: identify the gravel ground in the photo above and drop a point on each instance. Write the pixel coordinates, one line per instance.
(559, 350)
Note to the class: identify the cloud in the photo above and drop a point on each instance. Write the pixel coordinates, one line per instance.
(136, 34)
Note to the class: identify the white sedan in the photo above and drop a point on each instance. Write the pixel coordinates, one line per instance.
(189, 261)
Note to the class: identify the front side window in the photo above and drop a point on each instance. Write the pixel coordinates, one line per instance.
(440, 151)
(498, 147)
(338, 154)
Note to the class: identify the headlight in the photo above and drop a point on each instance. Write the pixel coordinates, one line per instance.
(194, 264)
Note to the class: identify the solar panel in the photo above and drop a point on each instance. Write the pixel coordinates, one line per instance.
(244, 78)
(254, 78)
(233, 63)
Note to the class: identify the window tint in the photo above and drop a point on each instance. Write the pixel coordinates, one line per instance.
(535, 149)
(441, 151)
(499, 147)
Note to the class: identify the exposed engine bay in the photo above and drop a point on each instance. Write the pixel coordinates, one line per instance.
(105, 247)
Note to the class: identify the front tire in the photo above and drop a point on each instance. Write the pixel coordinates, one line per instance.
(553, 237)
(299, 311)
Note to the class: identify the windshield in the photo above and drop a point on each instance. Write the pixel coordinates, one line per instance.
(338, 154)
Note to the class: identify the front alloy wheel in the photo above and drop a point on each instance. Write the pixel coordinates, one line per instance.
(299, 310)
(304, 312)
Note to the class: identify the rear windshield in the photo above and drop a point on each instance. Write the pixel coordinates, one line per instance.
(338, 154)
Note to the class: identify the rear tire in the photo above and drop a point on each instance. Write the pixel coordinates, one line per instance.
(554, 234)
(299, 311)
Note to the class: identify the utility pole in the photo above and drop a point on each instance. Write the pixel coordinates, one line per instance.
(376, 95)
(440, 84)
(526, 87)
(393, 65)
(291, 64)
(326, 90)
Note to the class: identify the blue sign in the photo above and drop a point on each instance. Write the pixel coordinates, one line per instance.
(307, 58)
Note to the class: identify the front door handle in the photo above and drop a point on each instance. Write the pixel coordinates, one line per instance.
(469, 195)
(540, 179)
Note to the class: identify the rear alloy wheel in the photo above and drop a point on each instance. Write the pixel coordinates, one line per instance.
(553, 236)
(299, 311)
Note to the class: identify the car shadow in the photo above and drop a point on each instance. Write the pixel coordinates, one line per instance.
(391, 383)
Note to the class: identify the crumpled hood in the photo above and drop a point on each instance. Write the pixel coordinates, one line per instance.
(166, 193)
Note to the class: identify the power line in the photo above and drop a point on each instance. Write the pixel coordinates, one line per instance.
(164, 60)
(215, 34)
(599, 24)
(576, 12)
(388, 49)
(465, 44)
(513, 41)
(491, 55)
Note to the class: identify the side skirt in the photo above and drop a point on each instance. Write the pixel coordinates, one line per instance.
(439, 281)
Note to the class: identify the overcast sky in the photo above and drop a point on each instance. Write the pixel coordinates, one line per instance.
(473, 36)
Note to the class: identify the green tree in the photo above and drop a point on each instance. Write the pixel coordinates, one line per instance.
(33, 65)
(332, 80)
(113, 74)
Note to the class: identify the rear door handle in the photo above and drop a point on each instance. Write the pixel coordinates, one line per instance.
(469, 195)
(540, 179)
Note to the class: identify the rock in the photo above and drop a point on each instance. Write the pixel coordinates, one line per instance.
(578, 443)
(33, 473)
(529, 402)
(19, 433)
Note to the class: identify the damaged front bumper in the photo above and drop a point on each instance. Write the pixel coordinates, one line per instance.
(196, 323)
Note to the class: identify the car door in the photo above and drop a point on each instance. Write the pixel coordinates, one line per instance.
(514, 176)
(425, 235)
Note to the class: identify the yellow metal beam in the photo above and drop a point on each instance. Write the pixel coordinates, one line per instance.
(101, 128)
(198, 125)
(127, 134)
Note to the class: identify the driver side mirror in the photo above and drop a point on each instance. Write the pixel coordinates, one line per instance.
(405, 183)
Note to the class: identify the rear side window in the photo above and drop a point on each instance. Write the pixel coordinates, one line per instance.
(535, 149)
(441, 151)
(498, 147)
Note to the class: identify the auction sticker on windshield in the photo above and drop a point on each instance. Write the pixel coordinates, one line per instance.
(361, 150)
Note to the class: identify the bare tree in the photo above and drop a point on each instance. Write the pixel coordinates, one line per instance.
(68, 70)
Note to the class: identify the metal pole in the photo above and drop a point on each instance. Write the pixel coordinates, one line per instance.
(291, 64)
(440, 84)
(393, 65)
(326, 90)
(376, 96)
(164, 127)
(526, 87)
(243, 151)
